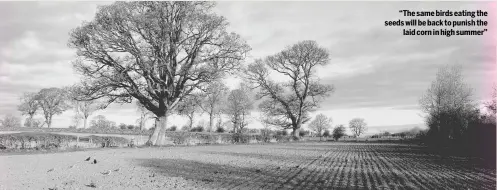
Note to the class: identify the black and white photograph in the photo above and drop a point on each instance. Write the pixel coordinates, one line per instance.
(248, 95)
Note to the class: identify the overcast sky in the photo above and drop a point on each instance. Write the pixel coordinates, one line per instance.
(379, 74)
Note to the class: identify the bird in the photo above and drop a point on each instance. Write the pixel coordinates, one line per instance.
(88, 159)
(106, 173)
(116, 170)
(50, 170)
(94, 161)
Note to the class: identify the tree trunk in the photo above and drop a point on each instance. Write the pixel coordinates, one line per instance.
(85, 123)
(158, 137)
(211, 118)
(30, 121)
(49, 122)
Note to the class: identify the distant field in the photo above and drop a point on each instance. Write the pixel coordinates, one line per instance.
(307, 165)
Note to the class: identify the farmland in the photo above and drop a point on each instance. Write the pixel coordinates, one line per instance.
(303, 165)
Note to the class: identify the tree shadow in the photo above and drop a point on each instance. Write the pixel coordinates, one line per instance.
(231, 177)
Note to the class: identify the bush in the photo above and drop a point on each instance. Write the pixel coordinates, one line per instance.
(266, 134)
(131, 127)
(240, 138)
(326, 133)
(172, 128)
(122, 126)
(197, 129)
(185, 128)
(282, 133)
(220, 130)
(108, 141)
(303, 133)
(33, 123)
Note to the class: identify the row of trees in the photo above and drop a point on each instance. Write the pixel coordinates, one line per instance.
(321, 124)
(162, 53)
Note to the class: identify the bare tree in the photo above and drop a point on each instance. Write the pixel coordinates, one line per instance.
(358, 126)
(83, 108)
(52, 101)
(288, 104)
(448, 104)
(145, 115)
(10, 121)
(86, 109)
(238, 107)
(155, 52)
(215, 93)
(188, 107)
(29, 106)
(320, 123)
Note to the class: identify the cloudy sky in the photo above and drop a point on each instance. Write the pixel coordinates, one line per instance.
(379, 74)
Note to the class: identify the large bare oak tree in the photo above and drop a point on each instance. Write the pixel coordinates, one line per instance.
(154, 52)
(287, 104)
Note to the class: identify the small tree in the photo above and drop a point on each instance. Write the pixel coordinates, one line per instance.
(101, 123)
(238, 108)
(145, 114)
(11, 121)
(123, 126)
(358, 126)
(338, 132)
(29, 106)
(215, 94)
(320, 123)
(189, 107)
(53, 101)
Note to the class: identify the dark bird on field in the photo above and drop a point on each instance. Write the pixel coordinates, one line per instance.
(50, 170)
(88, 159)
(278, 168)
(106, 173)
(258, 171)
(94, 161)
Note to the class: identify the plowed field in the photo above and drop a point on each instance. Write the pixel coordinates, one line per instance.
(309, 165)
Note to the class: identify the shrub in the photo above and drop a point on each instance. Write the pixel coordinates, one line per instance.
(240, 138)
(33, 123)
(197, 129)
(108, 141)
(122, 126)
(172, 128)
(185, 128)
(303, 133)
(326, 133)
(219, 130)
(282, 133)
(131, 127)
(266, 135)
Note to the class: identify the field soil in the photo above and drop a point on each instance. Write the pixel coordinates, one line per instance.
(306, 165)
